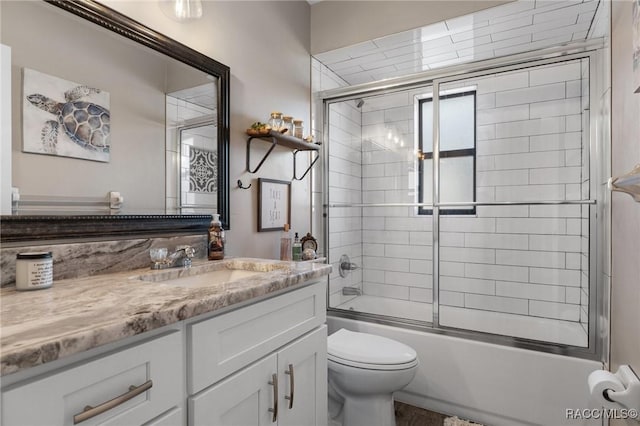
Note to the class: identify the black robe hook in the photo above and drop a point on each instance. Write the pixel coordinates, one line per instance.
(240, 185)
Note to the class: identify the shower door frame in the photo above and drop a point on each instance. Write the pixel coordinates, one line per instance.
(575, 51)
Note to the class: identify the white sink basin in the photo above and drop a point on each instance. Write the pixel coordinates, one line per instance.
(197, 277)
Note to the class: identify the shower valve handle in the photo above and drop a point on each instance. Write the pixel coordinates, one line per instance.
(348, 266)
(345, 265)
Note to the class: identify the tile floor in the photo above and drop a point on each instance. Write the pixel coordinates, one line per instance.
(408, 415)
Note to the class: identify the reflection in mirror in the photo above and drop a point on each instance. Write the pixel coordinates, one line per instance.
(191, 136)
(167, 102)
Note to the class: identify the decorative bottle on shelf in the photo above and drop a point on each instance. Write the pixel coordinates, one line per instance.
(287, 123)
(216, 239)
(285, 244)
(298, 129)
(275, 121)
(297, 249)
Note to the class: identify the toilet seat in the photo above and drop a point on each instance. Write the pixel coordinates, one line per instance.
(368, 351)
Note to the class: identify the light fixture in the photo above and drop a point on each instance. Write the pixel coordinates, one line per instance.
(182, 10)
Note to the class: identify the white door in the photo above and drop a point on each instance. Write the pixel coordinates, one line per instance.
(244, 399)
(302, 374)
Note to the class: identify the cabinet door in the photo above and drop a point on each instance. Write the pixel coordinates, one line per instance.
(243, 399)
(222, 345)
(302, 373)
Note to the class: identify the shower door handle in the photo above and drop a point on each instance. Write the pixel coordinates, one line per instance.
(291, 386)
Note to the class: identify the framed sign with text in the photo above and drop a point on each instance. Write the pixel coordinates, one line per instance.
(274, 204)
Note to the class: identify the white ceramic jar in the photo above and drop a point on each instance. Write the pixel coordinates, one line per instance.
(34, 270)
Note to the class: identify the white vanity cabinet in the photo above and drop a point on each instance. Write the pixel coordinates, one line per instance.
(287, 388)
(210, 370)
(302, 378)
(283, 341)
(142, 384)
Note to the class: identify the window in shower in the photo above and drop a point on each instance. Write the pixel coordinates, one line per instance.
(520, 266)
(457, 150)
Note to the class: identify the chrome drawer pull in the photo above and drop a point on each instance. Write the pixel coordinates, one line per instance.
(274, 410)
(291, 383)
(90, 411)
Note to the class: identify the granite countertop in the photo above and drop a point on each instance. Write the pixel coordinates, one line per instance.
(76, 315)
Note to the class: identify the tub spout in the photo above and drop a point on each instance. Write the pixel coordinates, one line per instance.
(351, 291)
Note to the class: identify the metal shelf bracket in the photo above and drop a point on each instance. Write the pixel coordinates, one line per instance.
(295, 144)
(295, 153)
(273, 145)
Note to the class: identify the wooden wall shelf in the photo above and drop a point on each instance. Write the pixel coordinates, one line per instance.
(277, 139)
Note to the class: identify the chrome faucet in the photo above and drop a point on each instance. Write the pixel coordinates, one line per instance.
(180, 258)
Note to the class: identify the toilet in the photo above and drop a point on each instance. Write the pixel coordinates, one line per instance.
(364, 371)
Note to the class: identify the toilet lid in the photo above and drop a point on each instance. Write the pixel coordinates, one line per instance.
(369, 351)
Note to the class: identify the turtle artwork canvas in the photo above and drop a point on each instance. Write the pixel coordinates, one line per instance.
(64, 118)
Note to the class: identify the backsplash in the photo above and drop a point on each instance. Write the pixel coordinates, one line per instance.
(99, 257)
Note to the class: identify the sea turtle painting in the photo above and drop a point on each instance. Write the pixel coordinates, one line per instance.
(78, 116)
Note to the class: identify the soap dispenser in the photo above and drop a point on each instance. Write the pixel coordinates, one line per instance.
(297, 248)
(216, 239)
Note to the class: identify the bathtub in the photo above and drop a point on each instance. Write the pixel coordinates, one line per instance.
(534, 328)
(487, 383)
(389, 307)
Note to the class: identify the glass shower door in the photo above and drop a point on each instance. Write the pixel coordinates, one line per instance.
(516, 262)
(372, 213)
(481, 224)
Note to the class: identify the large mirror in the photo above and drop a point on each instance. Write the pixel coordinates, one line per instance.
(101, 104)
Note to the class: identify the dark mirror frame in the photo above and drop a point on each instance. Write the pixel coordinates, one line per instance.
(34, 228)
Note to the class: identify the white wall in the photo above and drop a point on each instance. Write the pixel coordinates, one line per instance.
(625, 273)
(266, 45)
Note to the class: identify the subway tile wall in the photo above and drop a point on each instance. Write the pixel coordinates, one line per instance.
(345, 186)
(532, 145)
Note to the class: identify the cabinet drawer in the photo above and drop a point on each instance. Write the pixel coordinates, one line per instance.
(56, 398)
(221, 345)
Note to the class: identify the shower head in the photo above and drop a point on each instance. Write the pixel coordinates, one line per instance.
(359, 103)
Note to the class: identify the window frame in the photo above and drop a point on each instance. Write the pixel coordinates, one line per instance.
(457, 153)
